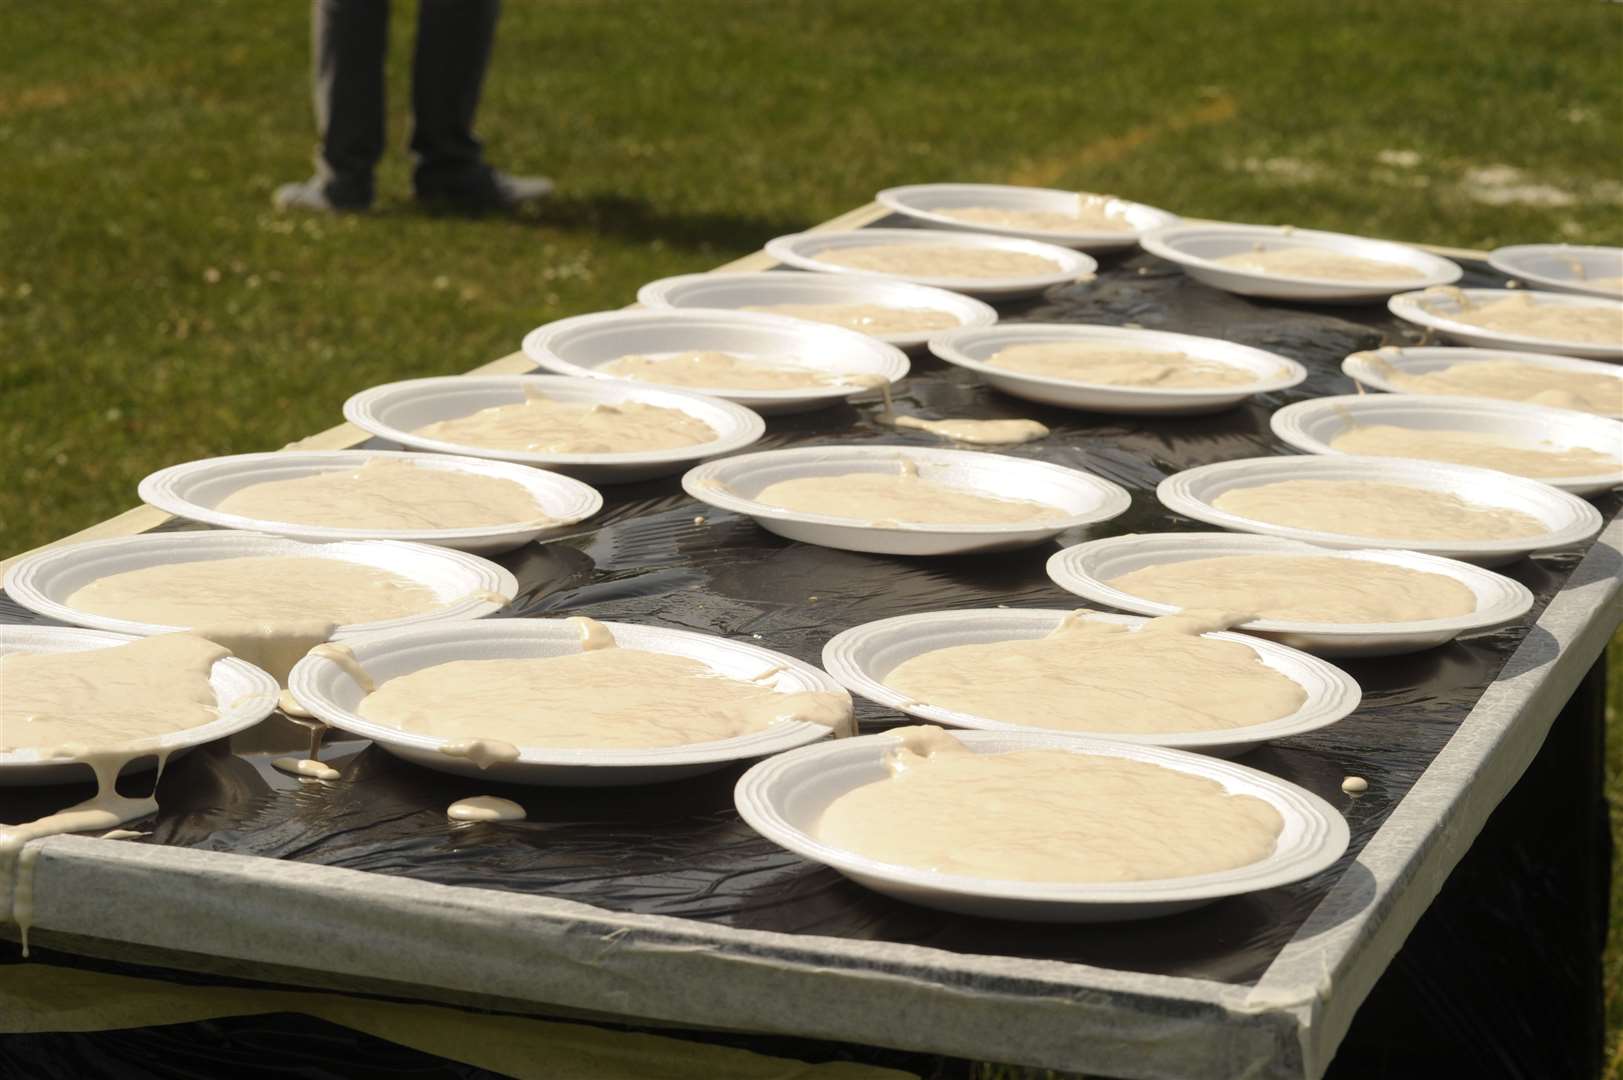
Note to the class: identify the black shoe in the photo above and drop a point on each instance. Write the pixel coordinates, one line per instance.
(313, 196)
(491, 192)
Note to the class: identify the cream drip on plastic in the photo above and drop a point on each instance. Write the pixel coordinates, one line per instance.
(979, 432)
(308, 768)
(485, 808)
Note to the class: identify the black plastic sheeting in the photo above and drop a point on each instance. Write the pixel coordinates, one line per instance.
(680, 850)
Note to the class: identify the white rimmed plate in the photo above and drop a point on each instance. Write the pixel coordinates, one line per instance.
(972, 349)
(43, 581)
(1312, 425)
(1562, 267)
(245, 694)
(801, 250)
(1434, 310)
(1087, 569)
(734, 291)
(861, 657)
(1082, 499)
(581, 345)
(395, 410)
(194, 489)
(1567, 518)
(783, 798)
(1375, 368)
(924, 202)
(1194, 247)
(332, 694)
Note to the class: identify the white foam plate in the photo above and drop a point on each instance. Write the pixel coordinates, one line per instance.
(581, 345)
(972, 348)
(1083, 499)
(734, 291)
(801, 250)
(333, 695)
(861, 658)
(246, 695)
(394, 411)
(1562, 267)
(924, 202)
(783, 797)
(1434, 310)
(1087, 570)
(43, 581)
(1568, 519)
(1194, 247)
(1374, 368)
(194, 489)
(1312, 425)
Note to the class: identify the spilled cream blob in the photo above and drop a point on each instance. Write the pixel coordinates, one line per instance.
(978, 432)
(485, 808)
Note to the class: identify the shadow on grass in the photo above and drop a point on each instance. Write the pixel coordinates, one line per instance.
(637, 219)
(619, 216)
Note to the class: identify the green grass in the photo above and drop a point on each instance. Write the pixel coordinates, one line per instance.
(154, 309)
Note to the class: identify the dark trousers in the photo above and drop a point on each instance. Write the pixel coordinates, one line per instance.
(349, 41)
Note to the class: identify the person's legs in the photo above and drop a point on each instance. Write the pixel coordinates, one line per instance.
(454, 40)
(349, 39)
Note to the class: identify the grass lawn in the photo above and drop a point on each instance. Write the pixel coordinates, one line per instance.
(153, 308)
